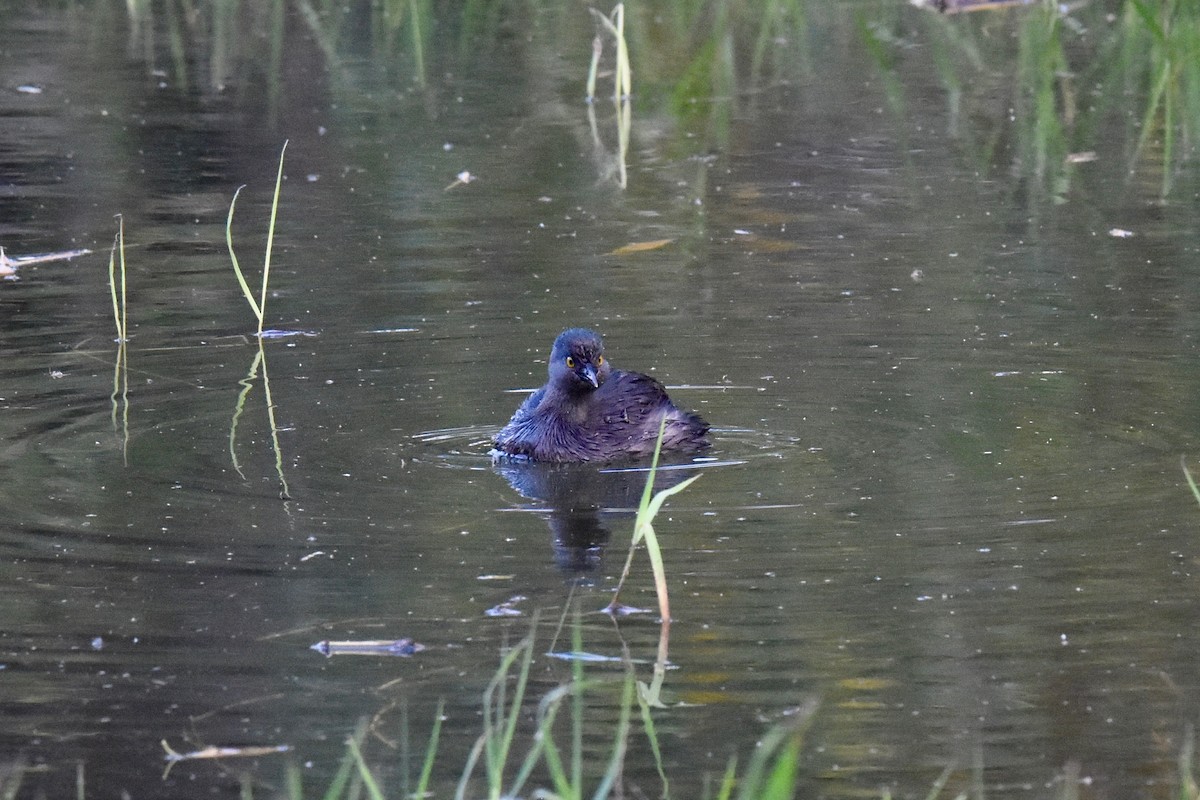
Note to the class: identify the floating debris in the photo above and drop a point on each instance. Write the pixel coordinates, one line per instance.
(274, 333)
(640, 247)
(461, 179)
(508, 608)
(8, 265)
(173, 756)
(961, 6)
(626, 611)
(585, 657)
(367, 647)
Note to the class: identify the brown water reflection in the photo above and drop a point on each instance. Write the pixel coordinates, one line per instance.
(950, 407)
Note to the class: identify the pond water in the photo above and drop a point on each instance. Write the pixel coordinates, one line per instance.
(946, 523)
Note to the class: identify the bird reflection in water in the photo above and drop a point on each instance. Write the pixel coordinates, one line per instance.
(581, 503)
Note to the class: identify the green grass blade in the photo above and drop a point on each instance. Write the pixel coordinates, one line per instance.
(262, 306)
(776, 781)
(1190, 480)
(472, 759)
(293, 779)
(648, 490)
(495, 742)
(649, 506)
(1188, 790)
(430, 752)
(124, 300)
(728, 780)
(119, 307)
(624, 76)
(1152, 105)
(781, 780)
(620, 743)
(112, 287)
(940, 783)
(527, 766)
(247, 383)
(510, 728)
(577, 679)
(661, 497)
(237, 268)
(418, 40)
(373, 790)
(346, 768)
(594, 67)
(1149, 19)
(652, 737)
(652, 547)
(284, 492)
(550, 750)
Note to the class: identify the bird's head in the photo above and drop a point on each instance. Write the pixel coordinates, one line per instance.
(577, 362)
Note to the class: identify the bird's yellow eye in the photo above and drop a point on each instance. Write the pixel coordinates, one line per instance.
(599, 360)
(570, 363)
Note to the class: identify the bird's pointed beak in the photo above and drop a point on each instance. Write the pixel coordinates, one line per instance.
(588, 373)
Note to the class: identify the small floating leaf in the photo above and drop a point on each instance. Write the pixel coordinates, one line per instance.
(640, 247)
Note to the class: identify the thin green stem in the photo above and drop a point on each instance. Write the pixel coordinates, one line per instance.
(262, 306)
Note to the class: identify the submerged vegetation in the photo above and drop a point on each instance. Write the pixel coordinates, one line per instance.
(1079, 71)
(1082, 71)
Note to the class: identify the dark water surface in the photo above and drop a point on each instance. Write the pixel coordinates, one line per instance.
(950, 411)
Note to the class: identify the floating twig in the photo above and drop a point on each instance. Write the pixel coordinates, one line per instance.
(9, 264)
(368, 647)
(173, 756)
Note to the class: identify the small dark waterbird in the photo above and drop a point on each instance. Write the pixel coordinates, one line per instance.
(588, 411)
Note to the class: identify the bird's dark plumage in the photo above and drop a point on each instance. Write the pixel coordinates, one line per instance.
(588, 411)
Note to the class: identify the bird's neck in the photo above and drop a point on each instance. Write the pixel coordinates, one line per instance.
(570, 403)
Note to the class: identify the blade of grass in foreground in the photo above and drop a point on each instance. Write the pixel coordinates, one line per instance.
(644, 529)
(494, 744)
(1190, 480)
(777, 781)
(1188, 790)
(364, 772)
(430, 752)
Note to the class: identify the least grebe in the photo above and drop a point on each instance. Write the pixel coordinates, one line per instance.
(589, 411)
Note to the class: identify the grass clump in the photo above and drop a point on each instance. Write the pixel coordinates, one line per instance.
(259, 306)
(499, 766)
